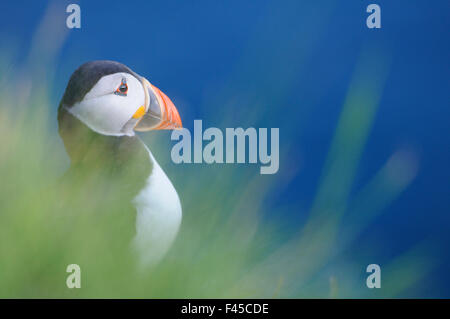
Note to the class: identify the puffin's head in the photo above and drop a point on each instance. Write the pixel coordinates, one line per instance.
(111, 99)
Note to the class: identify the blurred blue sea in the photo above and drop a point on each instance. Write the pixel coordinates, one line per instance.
(289, 64)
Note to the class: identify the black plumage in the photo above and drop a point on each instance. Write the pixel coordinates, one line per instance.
(87, 75)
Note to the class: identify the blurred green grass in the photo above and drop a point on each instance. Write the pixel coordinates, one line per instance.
(226, 248)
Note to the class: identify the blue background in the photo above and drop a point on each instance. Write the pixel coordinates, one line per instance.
(290, 63)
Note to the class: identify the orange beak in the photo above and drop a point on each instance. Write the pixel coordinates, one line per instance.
(160, 114)
(170, 118)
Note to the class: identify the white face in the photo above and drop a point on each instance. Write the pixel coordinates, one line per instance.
(105, 111)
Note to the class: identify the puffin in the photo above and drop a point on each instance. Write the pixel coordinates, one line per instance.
(104, 104)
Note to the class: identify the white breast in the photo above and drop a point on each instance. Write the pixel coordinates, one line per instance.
(158, 216)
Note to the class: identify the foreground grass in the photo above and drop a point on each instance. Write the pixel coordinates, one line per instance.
(227, 247)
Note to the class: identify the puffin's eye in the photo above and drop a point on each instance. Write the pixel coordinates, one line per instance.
(123, 88)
